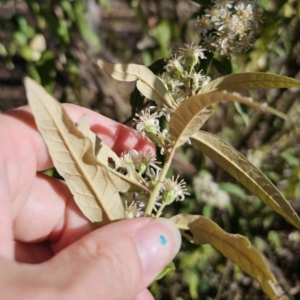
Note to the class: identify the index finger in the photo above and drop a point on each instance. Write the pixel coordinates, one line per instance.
(120, 138)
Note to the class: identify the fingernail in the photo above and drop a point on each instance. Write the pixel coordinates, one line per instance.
(157, 244)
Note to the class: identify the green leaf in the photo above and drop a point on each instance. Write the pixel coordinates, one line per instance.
(232, 189)
(242, 170)
(190, 115)
(234, 246)
(136, 98)
(246, 81)
(63, 31)
(244, 115)
(20, 38)
(68, 9)
(163, 33)
(147, 83)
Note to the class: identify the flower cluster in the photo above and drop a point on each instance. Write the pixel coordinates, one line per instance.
(229, 26)
(144, 166)
(208, 191)
(181, 78)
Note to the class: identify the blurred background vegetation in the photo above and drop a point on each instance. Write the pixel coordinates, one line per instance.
(57, 42)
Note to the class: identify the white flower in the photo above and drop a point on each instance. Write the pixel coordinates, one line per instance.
(147, 123)
(133, 210)
(245, 43)
(153, 175)
(244, 12)
(225, 20)
(209, 192)
(173, 190)
(204, 24)
(240, 28)
(213, 13)
(170, 83)
(209, 42)
(196, 81)
(223, 3)
(174, 67)
(225, 47)
(191, 53)
(143, 161)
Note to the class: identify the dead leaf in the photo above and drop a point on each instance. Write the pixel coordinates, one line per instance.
(190, 115)
(92, 186)
(234, 246)
(103, 154)
(251, 80)
(242, 170)
(147, 82)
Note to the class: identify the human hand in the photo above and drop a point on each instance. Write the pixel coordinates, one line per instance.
(48, 249)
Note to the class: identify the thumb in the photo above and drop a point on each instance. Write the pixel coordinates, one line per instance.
(116, 261)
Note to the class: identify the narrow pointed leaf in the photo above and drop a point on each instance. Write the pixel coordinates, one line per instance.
(72, 154)
(190, 115)
(242, 170)
(147, 82)
(246, 81)
(234, 246)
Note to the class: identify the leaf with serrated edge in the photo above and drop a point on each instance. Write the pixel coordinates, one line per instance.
(246, 81)
(188, 117)
(234, 246)
(242, 170)
(147, 82)
(72, 154)
(103, 153)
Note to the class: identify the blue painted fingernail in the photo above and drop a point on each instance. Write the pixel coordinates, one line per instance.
(163, 240)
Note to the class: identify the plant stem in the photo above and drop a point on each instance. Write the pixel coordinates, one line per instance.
(157, 187)
(160, 211)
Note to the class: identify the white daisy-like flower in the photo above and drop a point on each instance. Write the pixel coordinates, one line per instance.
(209, 41)
(133, 210)
(239, 27)
(191, 53)
(127, 159)
(147, 123)
(245, 43)
(153, 175)
(172, 189)
(213, 13)
(223, 3)
(225, 20)
(244, 12)
(209, 192)
(180, 96)
(171, 84)
(143, 161)
(225, 46)
(196, 81)
(204, 24)
(174, 67)
(164, 140)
